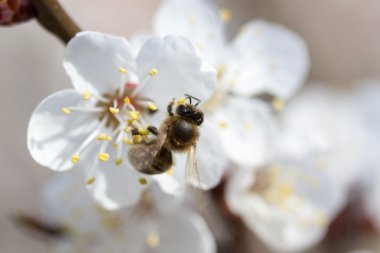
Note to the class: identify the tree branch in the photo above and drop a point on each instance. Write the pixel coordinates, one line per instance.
(51, 15)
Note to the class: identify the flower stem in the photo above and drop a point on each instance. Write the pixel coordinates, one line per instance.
(51, 15)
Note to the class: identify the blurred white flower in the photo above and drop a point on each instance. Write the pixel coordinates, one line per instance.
(290, 202)
(264, 59)
(159, 223)
(90, 127)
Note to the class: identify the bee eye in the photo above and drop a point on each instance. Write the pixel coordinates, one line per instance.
(198, 118)
(182, 110)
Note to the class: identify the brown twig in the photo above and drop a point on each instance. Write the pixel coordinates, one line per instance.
(51, 15)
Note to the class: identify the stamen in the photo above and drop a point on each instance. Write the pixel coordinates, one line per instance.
(104, 157)
(134, 115)
(127, 141)
(127, 129)
(225, 15)
(278, 104)
(114, 110)
(118, 161)
(104, 137)
(123, 71)
(152, 107)
(66, 111)
(153, 72)
(127, 101)
(143, 181)
(152, 240)
(75, 158)
(86, 95)
(90, 181)
(143, 131)
(142, 84)
(170, 172)
(84, 109)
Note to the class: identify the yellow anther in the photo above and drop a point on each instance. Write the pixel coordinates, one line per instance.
(102, 137)
(137, 139)
(75, 158)
(86, 95)
(153, 72)
(152, 240)
(127, 129)
(219, 72)
(278, 104)
(181, 100)
(127, 141)
(143, 131)
(115, 145)
(123, 71)
(223, 124)
(130, 121)
(143, 181)
(66, 111)
(225, 15)
(170, 171)
(285, 190)
(90, 181)
(114, 110)
(118, 161)
(152, 106)
(127, 101)
(134, 115)
(104, 157)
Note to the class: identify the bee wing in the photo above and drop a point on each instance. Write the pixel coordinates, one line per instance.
(192, 172)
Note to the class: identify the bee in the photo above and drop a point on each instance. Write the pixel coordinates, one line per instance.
(178, 133)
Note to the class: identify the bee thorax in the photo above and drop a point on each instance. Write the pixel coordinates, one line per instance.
(182, 135)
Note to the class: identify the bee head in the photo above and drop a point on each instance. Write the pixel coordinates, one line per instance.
(190, 113)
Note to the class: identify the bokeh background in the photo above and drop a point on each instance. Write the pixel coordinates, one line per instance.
(343, 38)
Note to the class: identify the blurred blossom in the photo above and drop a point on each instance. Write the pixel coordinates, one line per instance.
(159, 223)
(290, 202)
(116, 97)
(367, 101)
(15, 11)
(265, 59)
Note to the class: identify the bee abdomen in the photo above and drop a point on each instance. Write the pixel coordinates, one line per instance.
(145, 159)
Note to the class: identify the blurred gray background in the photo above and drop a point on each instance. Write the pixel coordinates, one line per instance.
(343, 37)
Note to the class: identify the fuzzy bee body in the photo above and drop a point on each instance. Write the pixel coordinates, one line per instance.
(179, 133)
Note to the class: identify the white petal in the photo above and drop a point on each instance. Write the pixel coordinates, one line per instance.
(197, 20)
(138, 40)
(267, 57)
(186, 232)
(92, 61)
(115, 186)
(211, 160)
(290, 209)
(53, 136)
(180, 71)
(245, 128)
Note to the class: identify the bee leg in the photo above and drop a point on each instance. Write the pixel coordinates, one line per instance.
(153, 130)
(170, 108)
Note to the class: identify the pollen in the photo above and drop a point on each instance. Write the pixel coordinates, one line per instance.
(103, 137)
(86, 95)
(75, 158)
(104, 157)
(153, 72)
(115, 145)
(127, 129)
(277, 104)
(143, 181)
(137, 139)
(152, 240)
(134, 115)
(127, 141)
(123, 71)
(225, 15)
(90, 181)
(181, 100)
(152, 107)
(66, 111)
(127, 101)
(143, 131)
(114, 110)
(118, 161)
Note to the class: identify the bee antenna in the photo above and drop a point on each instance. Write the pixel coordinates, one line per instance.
(191, 97)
